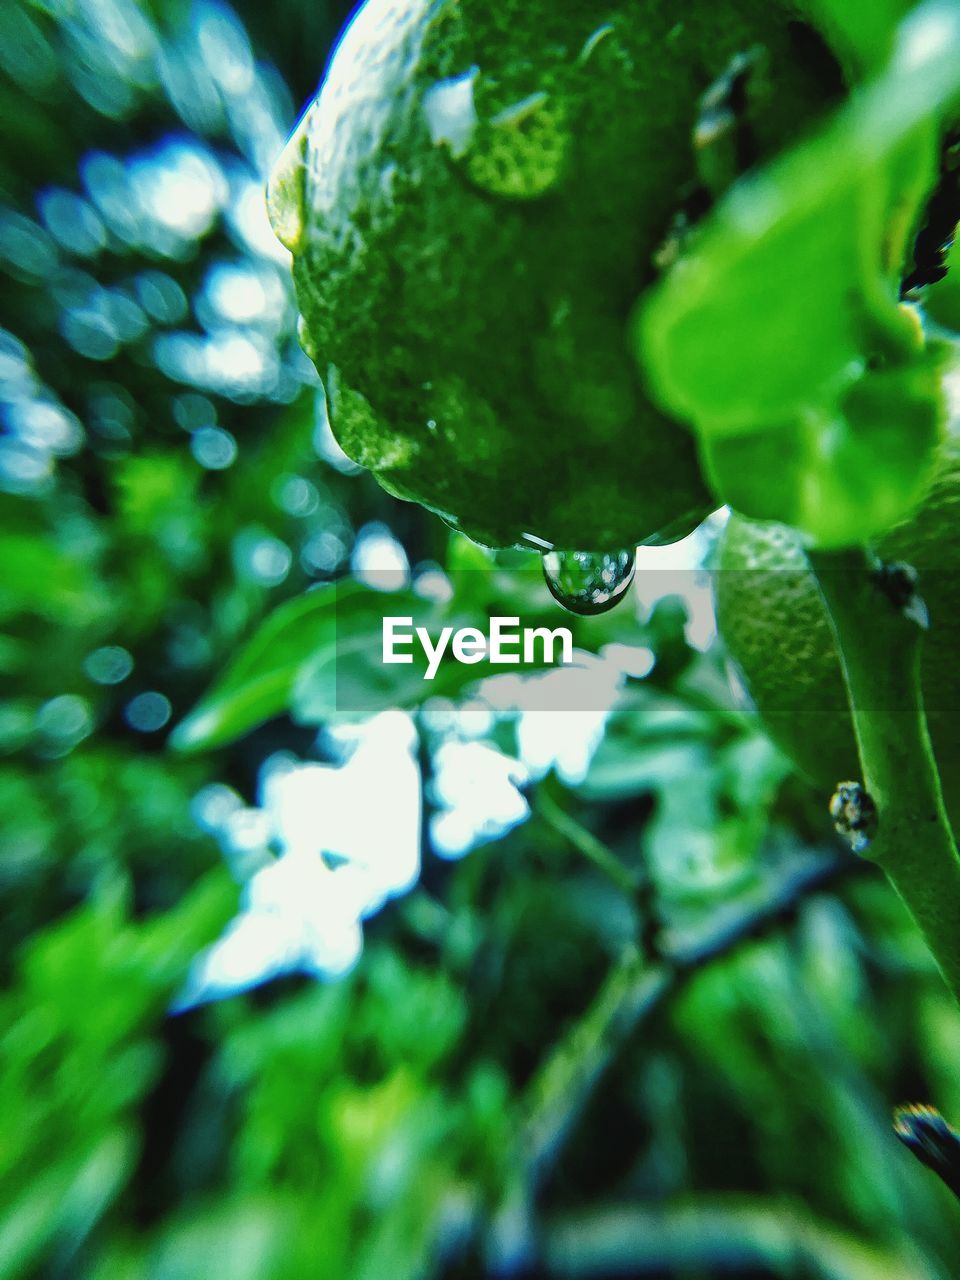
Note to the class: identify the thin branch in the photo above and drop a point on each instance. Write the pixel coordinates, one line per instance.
(586, 843)
(631, 993)
(718, 1235)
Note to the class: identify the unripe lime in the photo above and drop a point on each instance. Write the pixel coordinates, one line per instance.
(775, 626)
(474, 204)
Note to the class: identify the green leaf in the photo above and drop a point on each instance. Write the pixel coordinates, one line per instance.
(259, 681)
(864, 29)
(780, 336)
(829, 475)
(65, 1201)
(466, 556)
(52, 582)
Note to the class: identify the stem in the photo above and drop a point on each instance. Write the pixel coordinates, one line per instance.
(586, 843)
(702, 1234)
(633, 991)
(879, 643)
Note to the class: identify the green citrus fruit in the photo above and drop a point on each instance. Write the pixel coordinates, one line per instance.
(475, 202)
(777, 633)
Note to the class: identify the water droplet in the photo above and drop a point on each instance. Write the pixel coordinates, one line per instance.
(588, 582)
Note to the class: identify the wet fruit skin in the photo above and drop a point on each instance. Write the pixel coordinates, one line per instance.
(474, 205)
(775, 627)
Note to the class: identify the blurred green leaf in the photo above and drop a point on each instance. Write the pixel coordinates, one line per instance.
(844, 478)
(78, 1054)
(147, 486)
(791, 401)
(64, 1202)
(249, 1237)
(865, 28)
(258, 683)
(52, 582)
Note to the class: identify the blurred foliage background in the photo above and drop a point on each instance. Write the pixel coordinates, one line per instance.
(653, 1023)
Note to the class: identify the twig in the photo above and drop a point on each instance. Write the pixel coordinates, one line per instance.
(631, 993)
(586, 843)
(718, 1235)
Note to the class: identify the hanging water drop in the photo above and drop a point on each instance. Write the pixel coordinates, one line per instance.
(588, 582)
